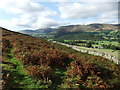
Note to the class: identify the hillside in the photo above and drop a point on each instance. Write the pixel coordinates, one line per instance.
(90, 27)
(74, 28)
(85, 32)
(30, 62)
(77, 32)
(38, 31)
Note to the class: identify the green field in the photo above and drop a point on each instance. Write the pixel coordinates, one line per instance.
(108, 42)
(108, 51)
(82, 45)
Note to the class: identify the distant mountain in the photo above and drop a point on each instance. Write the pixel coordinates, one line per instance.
(90, 27)
(38, 31)
(73, 28)
(77, 32)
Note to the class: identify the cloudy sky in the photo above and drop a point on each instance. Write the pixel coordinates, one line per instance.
(34, 14)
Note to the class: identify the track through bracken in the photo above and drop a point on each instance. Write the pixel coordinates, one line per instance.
(52, 65)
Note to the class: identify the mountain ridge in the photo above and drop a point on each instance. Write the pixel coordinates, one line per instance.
(73, 28)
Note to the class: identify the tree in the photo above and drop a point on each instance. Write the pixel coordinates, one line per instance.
(113, 47)
(88, 44)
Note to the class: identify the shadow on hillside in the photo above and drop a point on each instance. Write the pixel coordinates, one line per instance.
(13, 80)
(59, 74)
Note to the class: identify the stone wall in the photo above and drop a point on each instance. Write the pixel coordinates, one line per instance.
(105, 55)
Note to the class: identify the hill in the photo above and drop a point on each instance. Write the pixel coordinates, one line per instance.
(30, 62)
(76, 32)
(74, 28)
(85, 32)
(90, 27)
(38, 31)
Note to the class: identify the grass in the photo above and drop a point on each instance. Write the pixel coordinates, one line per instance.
(20, 77)
(59, 76)
(108, 51)
(96, 45)
(108, 42)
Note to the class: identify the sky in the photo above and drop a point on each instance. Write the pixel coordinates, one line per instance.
(38, 14)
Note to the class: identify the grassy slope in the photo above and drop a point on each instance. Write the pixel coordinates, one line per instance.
(20, 77)
(61, 74)
(100, 43)
(114, 53)
(108, 42)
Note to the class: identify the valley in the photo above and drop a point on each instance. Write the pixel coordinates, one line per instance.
(99, 37)
(59, 44)
(32, 62)
(109, 54)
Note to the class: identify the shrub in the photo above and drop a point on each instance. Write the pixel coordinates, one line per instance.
(90, 75)
(89, 45)
(42, 72)
(50, 57)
